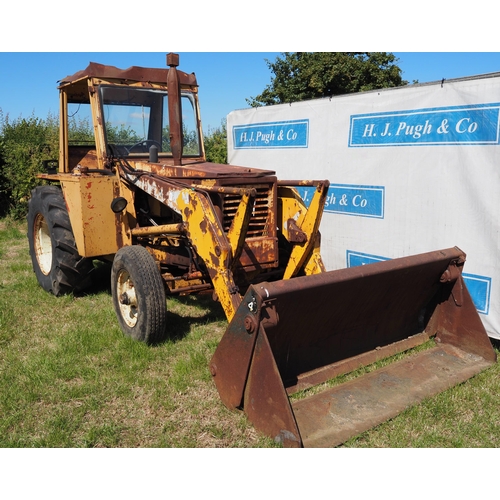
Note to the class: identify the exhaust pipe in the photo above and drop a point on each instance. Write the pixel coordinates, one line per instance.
(174, 108)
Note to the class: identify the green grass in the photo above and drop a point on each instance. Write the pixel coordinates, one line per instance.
(69, 378)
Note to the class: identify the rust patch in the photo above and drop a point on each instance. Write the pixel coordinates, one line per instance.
(135, 73)
(260, 252)
(193, 173)
(90, 205)
(295, 234)
(118, 220)
(215, 260)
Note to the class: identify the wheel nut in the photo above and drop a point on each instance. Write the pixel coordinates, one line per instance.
(124, 299)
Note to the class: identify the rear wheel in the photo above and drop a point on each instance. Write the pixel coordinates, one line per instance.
(139, 294)
(56, 262)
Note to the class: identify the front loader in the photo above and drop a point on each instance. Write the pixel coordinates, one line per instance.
(132, 187)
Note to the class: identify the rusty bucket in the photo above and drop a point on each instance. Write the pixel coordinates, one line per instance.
(291, 335)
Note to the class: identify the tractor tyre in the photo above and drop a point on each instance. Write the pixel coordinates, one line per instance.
(56, 262)
(139, 295)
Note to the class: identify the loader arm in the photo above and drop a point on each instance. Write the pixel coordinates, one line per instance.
(202, 226)
(238, 230)
(301, 227)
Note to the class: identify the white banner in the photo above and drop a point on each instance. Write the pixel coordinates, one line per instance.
(412, 169)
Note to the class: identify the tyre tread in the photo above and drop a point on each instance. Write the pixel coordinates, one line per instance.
(142, 267)
(70, 272)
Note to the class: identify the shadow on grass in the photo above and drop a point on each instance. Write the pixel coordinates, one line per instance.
(178, 326)
(101, 279)
(495, 343)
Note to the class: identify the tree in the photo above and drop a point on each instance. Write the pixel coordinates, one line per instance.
(215, 143)
(310, 75)
(24, 144)
(80, 130)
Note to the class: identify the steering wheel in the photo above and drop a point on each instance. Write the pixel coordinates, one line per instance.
(144, 142)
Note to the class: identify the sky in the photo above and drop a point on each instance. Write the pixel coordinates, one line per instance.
(226, 44)
(226, 79)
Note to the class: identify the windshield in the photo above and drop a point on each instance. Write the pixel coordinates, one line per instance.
(135, 119)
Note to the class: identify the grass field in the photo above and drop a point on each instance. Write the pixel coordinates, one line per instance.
(70, 379)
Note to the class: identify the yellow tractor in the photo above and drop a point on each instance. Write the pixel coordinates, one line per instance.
(138, 193)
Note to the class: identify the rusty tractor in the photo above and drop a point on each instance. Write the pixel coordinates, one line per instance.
(137, 192)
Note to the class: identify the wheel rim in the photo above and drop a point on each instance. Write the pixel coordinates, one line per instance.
(127, 298)
(43, 244)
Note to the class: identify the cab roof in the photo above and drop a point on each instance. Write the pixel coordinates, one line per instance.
(134, 73)
(76, 84)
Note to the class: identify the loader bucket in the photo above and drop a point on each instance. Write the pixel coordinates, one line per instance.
(290, 335)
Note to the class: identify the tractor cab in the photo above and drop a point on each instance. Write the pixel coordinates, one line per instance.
(107, 113)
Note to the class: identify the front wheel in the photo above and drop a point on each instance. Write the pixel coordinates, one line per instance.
(138, 294)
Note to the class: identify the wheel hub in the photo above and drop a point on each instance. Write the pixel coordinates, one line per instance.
(127, 298)
(43, 244)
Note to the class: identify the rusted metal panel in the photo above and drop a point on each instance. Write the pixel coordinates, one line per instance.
(266, 402)
(230, 364)
(338, 414)
(88, 199)
(84, 156)
(132, 74)
(355, 310)
(232, 174)
(259, 253)
(319, 375)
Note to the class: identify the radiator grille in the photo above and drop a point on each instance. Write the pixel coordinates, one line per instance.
(261, 219)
